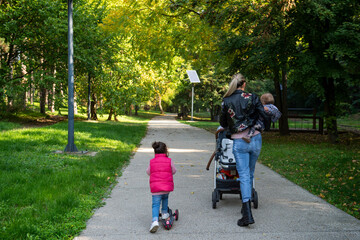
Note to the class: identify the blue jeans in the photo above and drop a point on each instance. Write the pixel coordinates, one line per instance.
(156, 200)
(246, 155)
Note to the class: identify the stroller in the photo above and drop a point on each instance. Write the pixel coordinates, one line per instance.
(225, 173)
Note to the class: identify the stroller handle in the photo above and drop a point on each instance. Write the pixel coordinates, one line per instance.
(214, 153)
(219, 131)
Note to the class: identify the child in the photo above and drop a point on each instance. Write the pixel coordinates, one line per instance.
(161, 170)
(267, 100)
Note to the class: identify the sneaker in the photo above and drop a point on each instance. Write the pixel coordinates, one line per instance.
(154, 226)
(164, 216)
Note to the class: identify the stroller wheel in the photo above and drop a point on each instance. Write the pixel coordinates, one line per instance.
(176, 214)
(214, 199)
(255, 199)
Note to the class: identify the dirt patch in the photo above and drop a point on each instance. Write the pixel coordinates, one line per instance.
(86, 153)
(45, 121)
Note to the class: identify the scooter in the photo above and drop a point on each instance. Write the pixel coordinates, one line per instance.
(167, 223)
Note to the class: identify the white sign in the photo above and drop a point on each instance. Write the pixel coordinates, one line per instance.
(194, 78)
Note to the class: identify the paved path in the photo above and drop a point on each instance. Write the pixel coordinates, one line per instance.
(285, 211)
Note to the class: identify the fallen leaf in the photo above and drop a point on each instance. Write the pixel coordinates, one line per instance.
(192, 193)
(321, 195)
(328, 175)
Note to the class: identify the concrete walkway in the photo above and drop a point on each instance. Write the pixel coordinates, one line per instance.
(285, 211)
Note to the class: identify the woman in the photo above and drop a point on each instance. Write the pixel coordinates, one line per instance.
(240, 111)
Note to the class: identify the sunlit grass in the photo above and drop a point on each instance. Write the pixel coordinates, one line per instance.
(329, 171)
(45, 195)
(207, 125)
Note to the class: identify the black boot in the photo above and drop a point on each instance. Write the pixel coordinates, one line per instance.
(242, 207)
(247, 215)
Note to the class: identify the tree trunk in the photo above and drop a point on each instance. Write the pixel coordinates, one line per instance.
(75, 103)
(136, 109)
(89, 98)
(93, 108)
(101, 101)
(51, 103)
(110, 114)
(160, 106)
(42, 100)
(115, 117)
(32, 90)
(284, 130)
(60, 97)
(281, 103)
(10, 100)
(330, 109)
(25, 99)
(25, 92)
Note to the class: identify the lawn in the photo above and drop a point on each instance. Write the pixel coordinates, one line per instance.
(329, 171)
(46, 195)
(4, 126)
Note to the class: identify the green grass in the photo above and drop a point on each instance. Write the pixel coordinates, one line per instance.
(329, 171)
(44, 195)
(5, 126)
(207, 125)
(352, 121)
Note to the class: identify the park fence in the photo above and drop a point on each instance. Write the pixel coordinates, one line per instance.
(303, 120)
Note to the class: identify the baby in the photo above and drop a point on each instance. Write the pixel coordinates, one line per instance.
(267, 100)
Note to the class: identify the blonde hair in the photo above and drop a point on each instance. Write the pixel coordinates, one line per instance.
(267, 98)
(238, 80)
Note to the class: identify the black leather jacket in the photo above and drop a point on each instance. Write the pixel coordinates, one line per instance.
(241, 110)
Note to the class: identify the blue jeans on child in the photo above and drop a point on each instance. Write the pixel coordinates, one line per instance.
(156, 200)
(246, 155)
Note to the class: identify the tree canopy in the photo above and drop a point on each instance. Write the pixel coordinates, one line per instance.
(136, 53)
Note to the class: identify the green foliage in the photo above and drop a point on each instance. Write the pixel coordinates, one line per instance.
(45, 195)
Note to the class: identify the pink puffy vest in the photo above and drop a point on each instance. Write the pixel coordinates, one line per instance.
(161, 177)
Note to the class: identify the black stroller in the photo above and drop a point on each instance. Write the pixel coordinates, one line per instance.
(225, 173)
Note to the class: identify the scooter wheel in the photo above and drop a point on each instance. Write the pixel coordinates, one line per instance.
(176, 214)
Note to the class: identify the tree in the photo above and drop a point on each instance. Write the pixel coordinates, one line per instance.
(329, 47)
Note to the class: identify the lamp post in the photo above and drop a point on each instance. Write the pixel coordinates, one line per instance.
(194, 78)
(71, 145)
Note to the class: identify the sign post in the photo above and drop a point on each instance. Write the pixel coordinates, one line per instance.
(70, 147)
(194, 78)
